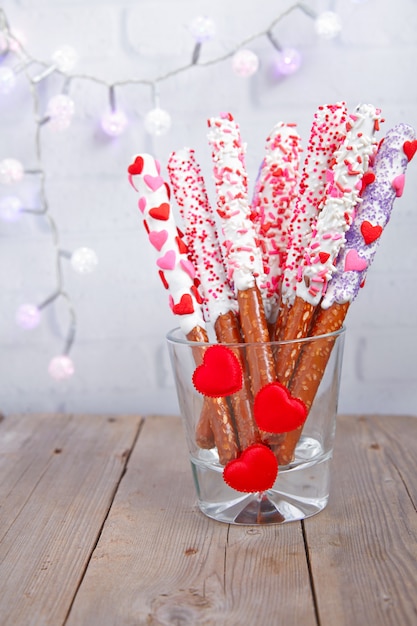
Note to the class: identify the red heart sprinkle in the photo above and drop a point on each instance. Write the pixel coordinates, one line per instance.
(367, 179)
(136, 167)
(276, 411)
(182, 246)
(324, 256)
(410, 148)
(160, 212)
(256, 469)
(196, 294)
(220, 373)
(369, 232)
(185, 305)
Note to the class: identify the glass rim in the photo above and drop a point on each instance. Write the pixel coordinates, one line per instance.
(186, 342)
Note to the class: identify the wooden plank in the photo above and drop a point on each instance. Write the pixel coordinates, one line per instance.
(160, 561)
(363, 547)
(58, 478)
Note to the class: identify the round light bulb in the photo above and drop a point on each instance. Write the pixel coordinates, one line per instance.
(61, 367)
(114, 123)
(245, 63)
(328, 25)
(84, 260)
(202, 29)
(157, 122)
(11, 171)
(10, 208)
(60, 109)
(7, 80)
(28, 316)
(65, 58)
(288, 61)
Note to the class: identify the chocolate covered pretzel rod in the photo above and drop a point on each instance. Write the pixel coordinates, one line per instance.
(177, 274)
(272, 209)
(203, 243)
(342, 194)
(328, 131)
(241, 253)
(385, 184)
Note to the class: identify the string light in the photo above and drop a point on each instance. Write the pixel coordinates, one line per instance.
(7, 80)
(10, 208)
(61, 109)
(328, 25)
(245, 63)
(11, 171)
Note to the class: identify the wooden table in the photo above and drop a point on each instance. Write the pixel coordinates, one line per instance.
(98, 526)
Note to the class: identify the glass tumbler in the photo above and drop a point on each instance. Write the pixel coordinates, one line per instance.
(248, 481)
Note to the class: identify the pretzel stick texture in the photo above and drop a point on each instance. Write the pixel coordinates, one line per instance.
(178, 277)
(203, 243)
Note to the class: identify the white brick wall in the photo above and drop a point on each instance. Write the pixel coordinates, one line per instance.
(119, 353)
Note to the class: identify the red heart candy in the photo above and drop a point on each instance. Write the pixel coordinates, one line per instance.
(184, 306)
(410, 148)
(160, 212)
(369, 232)
(255, 470)
(220, 373)
(136, 167)
(367, 179)
(276, 411)
(324, 256)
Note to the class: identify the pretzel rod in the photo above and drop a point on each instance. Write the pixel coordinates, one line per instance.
(272, 209)
(242, 255)
(177, 274)
(328, 131)
(362, 240)
(342, 195)
(202, 239)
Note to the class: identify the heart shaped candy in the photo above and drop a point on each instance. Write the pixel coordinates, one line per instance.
(153, 182)
(370, 233)
(410, 148)
(184, 306)
(354, 263)
(276, 411)
(160, 212)
(220, 373)
(167, 261)
(158, 238)
(136, 167)
(398, 185)
(255, 470)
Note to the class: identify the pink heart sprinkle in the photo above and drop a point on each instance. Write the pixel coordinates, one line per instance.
(354, 263)
(158, 238)
(142, 204)
(398, 185)
(188, 267)
(153, 182)
(167, 262)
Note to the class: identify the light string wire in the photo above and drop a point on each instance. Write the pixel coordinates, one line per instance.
(26, 64)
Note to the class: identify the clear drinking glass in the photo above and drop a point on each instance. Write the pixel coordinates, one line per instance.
(301, 488)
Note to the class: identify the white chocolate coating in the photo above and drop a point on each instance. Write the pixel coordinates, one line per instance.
(176, 270)
(200, 232)
(342, 196)
(242, 256)
(272, 208)
(363, 237)
(328, 131)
